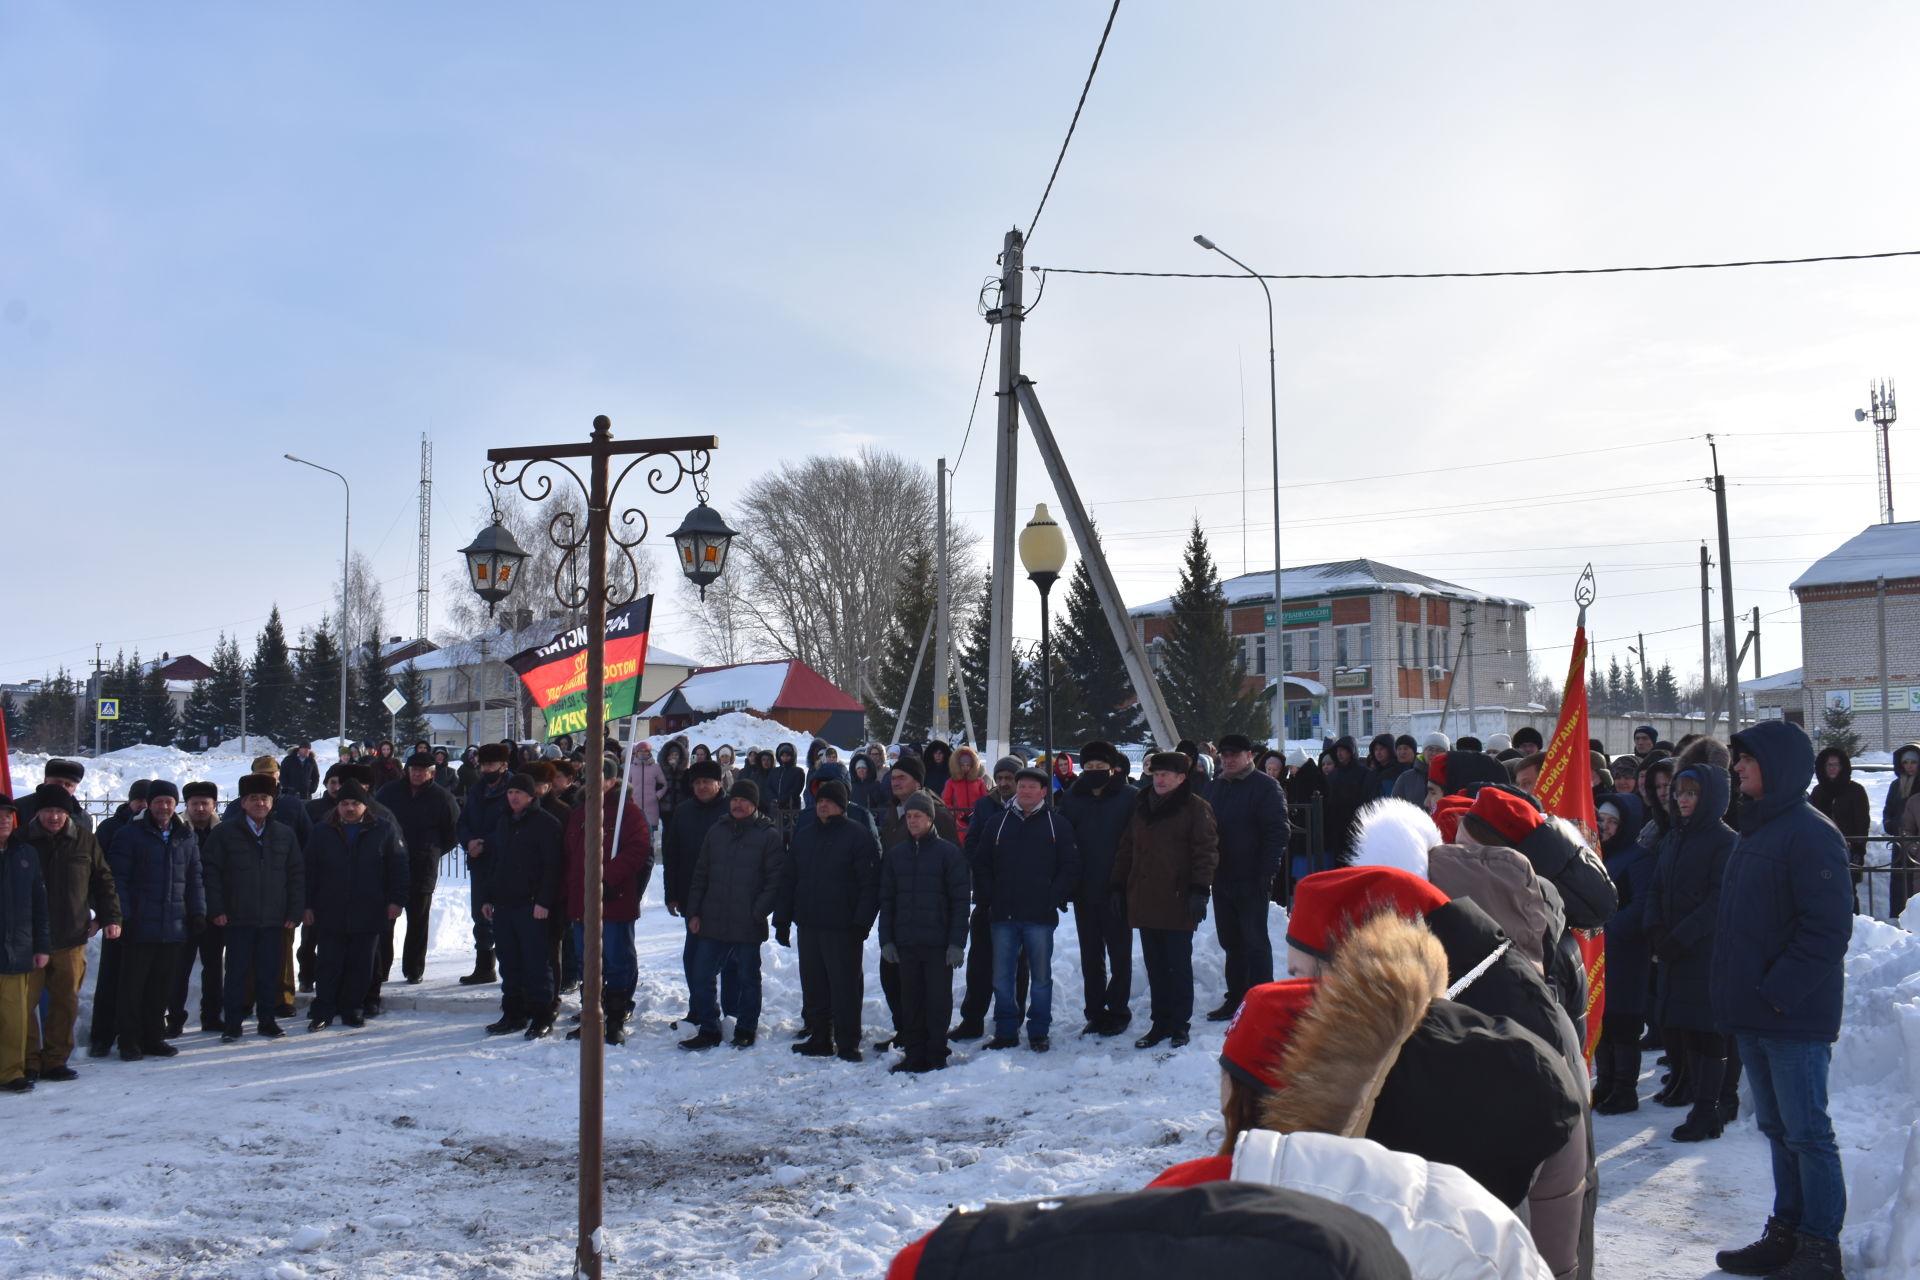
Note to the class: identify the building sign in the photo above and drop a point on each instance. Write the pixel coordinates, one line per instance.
(1900, 699)
(1300, 617)
(1358, 678)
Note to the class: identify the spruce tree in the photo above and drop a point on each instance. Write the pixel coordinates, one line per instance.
(49, 715)
(1616, 688)
(1836, 730)
(412, 720)
(1204, 672)
(914, 603)
(319, 675)
(1633, 701)
(1666, 690)
(972, 660)
(158, 724)
(13, 717)
(1103, 697)
(213, 708)
(273, 695)
(367, 716)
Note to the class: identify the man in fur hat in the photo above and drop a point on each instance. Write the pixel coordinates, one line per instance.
(486, 805)
(80, 902)
(1168, 857)
(1099, 804)
(256, 893)
(156, 868)
(202, 803)
(66, 775)
(1250, 815)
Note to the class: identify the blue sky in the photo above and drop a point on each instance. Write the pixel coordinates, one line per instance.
(237, 231)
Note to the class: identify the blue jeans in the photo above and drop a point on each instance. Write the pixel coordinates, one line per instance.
(1011, 940)
(1789, 1079)
(619, 964)
(729, 981)
(710, 958)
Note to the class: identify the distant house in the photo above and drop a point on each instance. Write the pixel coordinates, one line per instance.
(790, 692)
(182, 674)
(1842, 598)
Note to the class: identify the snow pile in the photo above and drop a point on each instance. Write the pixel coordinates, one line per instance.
(739, 730)
(1875, 1093)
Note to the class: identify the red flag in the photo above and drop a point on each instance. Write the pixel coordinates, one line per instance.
(1565, 789)
(6, 769)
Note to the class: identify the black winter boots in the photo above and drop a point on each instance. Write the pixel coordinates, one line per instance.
(1773, 1250)
(483, 971)
(1813, 1259)
(1624, 1057)
(1703, 1121)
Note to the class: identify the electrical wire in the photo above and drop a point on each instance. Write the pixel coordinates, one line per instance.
(1034, 221)
(1484, 275)
(978, 383)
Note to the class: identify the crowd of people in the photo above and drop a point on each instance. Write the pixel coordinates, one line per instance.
(1427, 1031)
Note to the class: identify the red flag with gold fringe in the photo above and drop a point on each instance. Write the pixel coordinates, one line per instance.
(1565, 789)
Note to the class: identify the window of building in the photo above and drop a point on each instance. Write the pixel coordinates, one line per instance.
(1286, 652)
(1340, 646)
(1257, 654)
(1366, 643)
(1354, 716)
(1353, 646)
(426, 689)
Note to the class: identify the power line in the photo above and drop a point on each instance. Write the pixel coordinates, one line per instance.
(1034, 221)
(1480, 275)
(979, 382)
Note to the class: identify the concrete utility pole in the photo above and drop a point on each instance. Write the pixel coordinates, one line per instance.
(1726, 594)
(1646, 681)
(93, 686)
(1886, 709)
(1473, 688)
(941, 624)
(1708, 708)
(1006, 458)
(425, 566)
(1756, 642)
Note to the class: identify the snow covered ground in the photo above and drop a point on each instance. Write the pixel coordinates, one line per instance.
(419, 1147)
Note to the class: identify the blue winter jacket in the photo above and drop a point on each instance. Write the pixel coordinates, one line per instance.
(1027, 867)
(923, 894)
(1786, 907)
(484, 807)
(1628, 956)
(157, 871)
(1251, 815)
(25, 930)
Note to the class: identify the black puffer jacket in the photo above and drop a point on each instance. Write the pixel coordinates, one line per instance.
(1349, 786)
(924, 889)
(742, 873)
(835, 882)
(354, 874)
(686, 830)
(1098, 817)
(428, 817)
(522, 865)
(1684, 905)
(258, 881)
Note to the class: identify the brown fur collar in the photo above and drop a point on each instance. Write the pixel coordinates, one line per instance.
(1175, 801)
(1371, 999)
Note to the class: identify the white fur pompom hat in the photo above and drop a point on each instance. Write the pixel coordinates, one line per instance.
(1394, 833)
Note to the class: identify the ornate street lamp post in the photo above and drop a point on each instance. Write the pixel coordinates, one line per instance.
(1043, 553)
(703, 553)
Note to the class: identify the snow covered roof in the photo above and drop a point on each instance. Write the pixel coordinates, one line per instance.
(661, 656)
(1781, 682)
(754, 686)
(1879, 550)
(1307, 582)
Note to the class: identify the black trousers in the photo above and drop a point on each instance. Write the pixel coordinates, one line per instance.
(1106, 958)
(304, 955)
(343, 971)
(833, 983)
(926, 1004)
(1169, 957)
(106, 996)
(1240, 922)
(210, 949)
(413, 953)
(146, 980)
(979, 995)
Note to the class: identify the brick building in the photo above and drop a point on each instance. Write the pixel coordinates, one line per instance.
(1841, 596)
(1364, 644)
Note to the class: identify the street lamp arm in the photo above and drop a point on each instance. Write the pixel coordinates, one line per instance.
(346, 573)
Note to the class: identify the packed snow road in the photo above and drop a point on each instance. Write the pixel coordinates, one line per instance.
(419, 1147)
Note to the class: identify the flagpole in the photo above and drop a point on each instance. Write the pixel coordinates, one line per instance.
(626, 783)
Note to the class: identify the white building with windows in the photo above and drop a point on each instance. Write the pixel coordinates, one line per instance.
(1365, 644)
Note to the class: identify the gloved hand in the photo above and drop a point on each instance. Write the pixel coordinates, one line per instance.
(890, 953)
(784, 935)
(1197, 906)
(1117, 902)
(196, 925)
(956, 956)
(1065, 903)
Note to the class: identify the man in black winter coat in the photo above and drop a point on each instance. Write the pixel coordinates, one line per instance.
(740, 876)
(1027, 872)
(356, 879)
(429, 819)
(202, 802)
(155, 862)
(1098, 804)
(486, 804)
(833, 896)
(256, 880)
(1250, 814)
(300, 773)
(1349, 786)
(106, 982)
(521, 885)
(924, 887)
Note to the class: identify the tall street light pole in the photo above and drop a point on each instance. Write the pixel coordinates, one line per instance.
(701, 543)
(1279, 596)
(346, 565)
(1043, 553)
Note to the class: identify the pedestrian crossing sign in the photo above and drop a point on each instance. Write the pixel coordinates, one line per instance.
(109, 709)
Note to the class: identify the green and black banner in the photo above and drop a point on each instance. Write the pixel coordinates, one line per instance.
(555, 673)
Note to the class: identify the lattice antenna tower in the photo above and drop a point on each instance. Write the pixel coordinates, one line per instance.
(426, 535)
